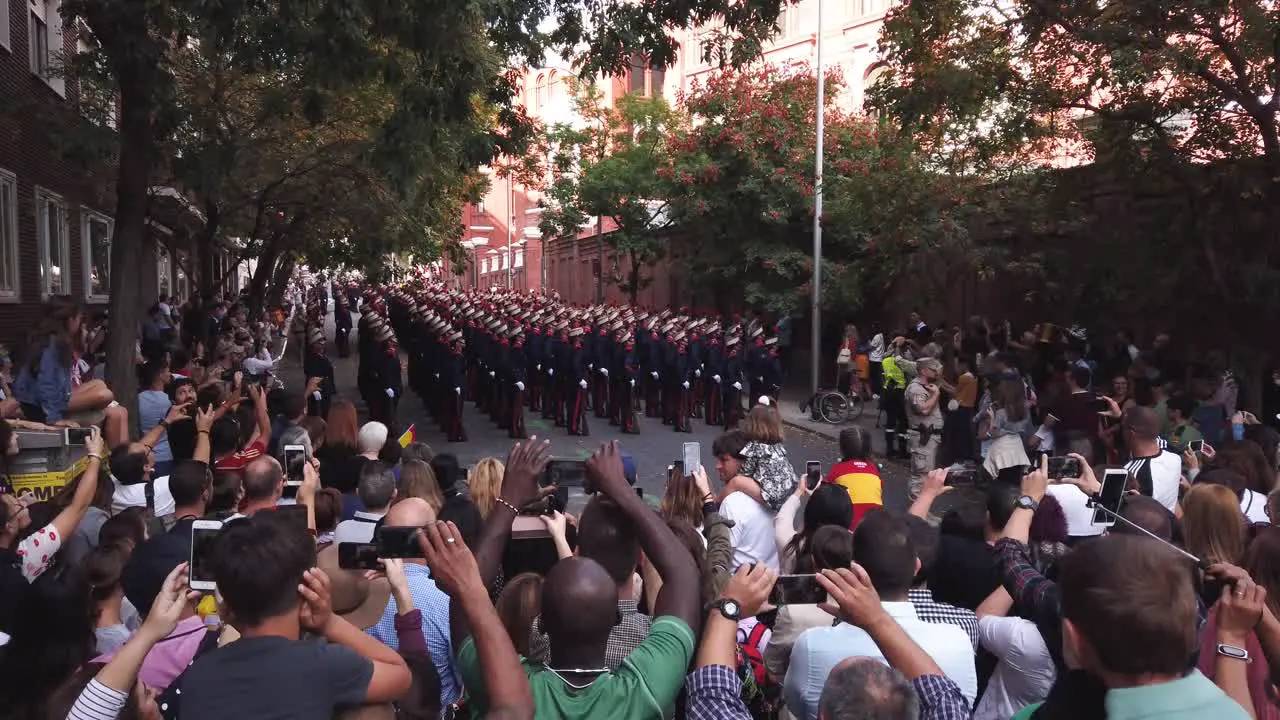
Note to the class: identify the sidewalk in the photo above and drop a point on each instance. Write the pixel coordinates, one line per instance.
(789, 409)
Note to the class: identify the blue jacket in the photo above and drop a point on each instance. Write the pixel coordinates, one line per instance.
(50, 389)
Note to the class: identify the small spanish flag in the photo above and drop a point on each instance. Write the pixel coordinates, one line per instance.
(409, 436)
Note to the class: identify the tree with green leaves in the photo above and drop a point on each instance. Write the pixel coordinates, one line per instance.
(741, 189)
(605, 166)
(1176, 103)
(444, 63)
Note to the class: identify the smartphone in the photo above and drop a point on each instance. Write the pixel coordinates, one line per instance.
(1100, 404)
(200, 575)
(677, 468)
(797, 590)
(1064, 467)
(1196, 446)
(566, 473)
(398, 542)
(77, 436)
(358, 556)
(294, 457)
(1114, 482)
(813, 474)
(692, 457)
(961, 476)
(553, 503)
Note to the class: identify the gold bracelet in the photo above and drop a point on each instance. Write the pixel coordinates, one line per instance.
(96, 457)
(513, 508)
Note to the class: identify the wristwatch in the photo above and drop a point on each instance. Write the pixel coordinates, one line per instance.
(1235, 652)
(729, 608)
(1028, 503)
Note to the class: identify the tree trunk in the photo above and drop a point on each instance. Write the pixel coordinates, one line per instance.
(262, 274)
(279, 281)
(127, 245)
(207, 251)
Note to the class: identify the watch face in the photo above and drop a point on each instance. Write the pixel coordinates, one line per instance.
(731, 607)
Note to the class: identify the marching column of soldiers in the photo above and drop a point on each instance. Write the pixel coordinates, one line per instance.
(508, 353)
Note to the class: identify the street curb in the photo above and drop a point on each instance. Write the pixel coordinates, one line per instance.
(806, 429)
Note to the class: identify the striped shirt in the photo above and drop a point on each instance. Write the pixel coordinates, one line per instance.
(98, 702)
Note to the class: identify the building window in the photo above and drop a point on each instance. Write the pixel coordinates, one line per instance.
(95, 233)
(484, 266)
(519, 257)
(55, 250)
(44, 40)
(636, 76)
(552, 90)
(506, 260)
(8, 235)
(540, 91)
(181, 285)
(4, 26)
(480, 207)
(164, 270)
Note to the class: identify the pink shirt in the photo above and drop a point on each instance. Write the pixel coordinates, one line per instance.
(170, 656)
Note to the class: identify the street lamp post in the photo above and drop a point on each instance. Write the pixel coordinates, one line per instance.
(815, 297)
(511, 218)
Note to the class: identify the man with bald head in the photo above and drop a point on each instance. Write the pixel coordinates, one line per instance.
(863, 687)
(580, 606)
(430, 600)
(263, 484)
(1154, 470)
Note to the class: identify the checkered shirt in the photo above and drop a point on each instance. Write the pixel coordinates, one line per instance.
(932, 611)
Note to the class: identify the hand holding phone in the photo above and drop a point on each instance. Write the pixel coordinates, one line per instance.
(797, 590)
(812, 474)
(1110, 496)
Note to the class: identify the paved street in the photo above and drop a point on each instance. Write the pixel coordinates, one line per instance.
(654, 448)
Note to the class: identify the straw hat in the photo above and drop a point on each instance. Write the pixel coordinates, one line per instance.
(359, 601)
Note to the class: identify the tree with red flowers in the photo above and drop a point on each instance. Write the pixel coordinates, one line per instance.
(741, 188)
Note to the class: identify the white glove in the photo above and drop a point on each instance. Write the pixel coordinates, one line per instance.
(685, 384)
(391, 393)
(457, 390)
(551, 371)
(759, 378)
(604, 372)
(582, 384)
(316, 394)
(538, 366)
(737, 386)
(492, 373)
(437, 376)
(520, 386)
(591, 366)
(633, 382)
(716, 378)
(697, 373)
(654, 375)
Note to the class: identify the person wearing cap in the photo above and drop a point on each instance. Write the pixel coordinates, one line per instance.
(924, 420)
(517, 366)
(386, 381)
(576, 385)
(318, 365)
(341, 325)
(732, 380)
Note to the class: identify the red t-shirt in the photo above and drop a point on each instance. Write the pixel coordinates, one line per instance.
(255, 449)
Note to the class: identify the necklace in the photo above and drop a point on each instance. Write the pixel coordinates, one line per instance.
(577, 671)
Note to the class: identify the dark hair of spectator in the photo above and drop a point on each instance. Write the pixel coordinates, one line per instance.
(729, 444)
(341, 425)
(188, 480)
(882, 546)
(606, 535)
(518, 605)
(127, 465)
(53, 638)
(448, 473)
(258, 563)
(228, 487)
(127, 527)
(855, 444)
(828, 505)
(1133, 600)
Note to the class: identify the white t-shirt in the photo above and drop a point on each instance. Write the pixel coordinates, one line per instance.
(126, 496)
(1075, 506)
(752, 531)
(1163, 472)
(1025, 670)
(1254, 506)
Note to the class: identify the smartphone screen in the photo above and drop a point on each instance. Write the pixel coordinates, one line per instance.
(358, 556)
(692, 456)
(797, 590)
(961, 476)
(1112, 494)
(203, 533)
(1196, 446)
(398, 542)
(1064, 467)
(294, 457)
(566, 473)
(813, 474)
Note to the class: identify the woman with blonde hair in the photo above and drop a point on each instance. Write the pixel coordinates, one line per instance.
(485, 484)
(1212, 524)
(765, 457)
(418, 480)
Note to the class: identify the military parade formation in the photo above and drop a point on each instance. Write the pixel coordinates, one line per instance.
(509, 353)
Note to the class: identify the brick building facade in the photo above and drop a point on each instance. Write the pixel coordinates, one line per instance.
(55, 206)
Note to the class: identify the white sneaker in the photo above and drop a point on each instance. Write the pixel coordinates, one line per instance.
(875, 397)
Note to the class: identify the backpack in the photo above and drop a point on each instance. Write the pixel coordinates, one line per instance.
(762, 696)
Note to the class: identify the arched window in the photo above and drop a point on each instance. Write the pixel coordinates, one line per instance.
(540, 91)
(869, 79)
(552, 89)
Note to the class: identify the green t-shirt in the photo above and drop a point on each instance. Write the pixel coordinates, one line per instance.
(644, 687)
